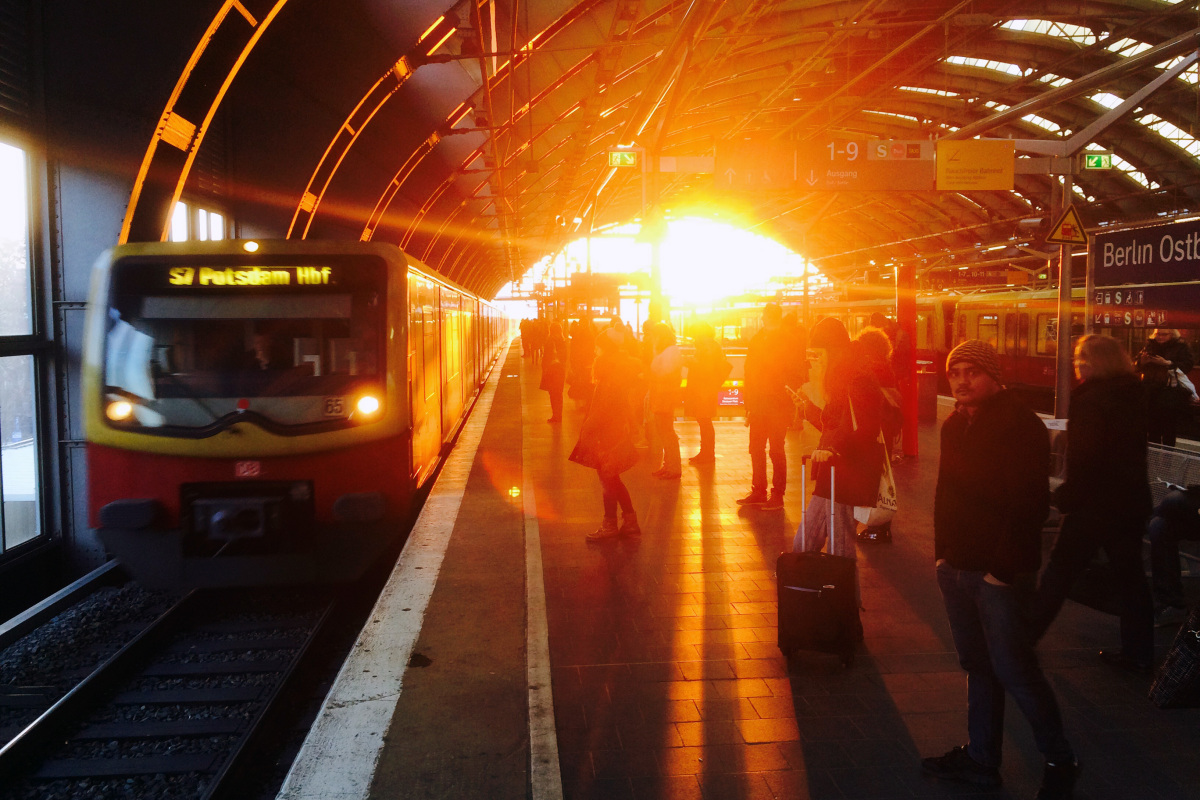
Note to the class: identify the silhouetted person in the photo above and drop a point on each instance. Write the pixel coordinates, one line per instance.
(1167, 401)
(606, 436)
(770, 365)
(1106, 496)
(707, 370)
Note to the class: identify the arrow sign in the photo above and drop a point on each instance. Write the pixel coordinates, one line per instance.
(1068, 229)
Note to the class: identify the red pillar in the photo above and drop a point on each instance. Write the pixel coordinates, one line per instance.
(906, 318)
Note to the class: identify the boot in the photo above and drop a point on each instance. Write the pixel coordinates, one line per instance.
(629, 524)
(607, 530)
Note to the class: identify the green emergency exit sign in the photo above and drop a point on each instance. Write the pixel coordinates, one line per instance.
(623, 158)
(1097, 160)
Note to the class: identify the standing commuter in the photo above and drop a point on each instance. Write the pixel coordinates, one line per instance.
(1162, 362)
(770, 366)
(707, 371)
(606, 436)
(992, 496)
(877, 350)
(849, 423)
(666, 371)
(554, 369)
(582, 359)
(1106, 497)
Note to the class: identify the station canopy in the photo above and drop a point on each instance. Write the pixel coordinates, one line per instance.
(483, 136)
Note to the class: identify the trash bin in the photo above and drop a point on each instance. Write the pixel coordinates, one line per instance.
(927, 391)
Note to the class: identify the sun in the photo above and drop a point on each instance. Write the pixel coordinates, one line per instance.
(702, 261)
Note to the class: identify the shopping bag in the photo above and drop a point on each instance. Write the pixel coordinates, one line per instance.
(885, 504)
(1178, 681)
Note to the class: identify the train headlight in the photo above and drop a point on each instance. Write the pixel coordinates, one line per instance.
(367, 405)
(119, 410)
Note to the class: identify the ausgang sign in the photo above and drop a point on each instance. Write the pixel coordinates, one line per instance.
(1157, 254)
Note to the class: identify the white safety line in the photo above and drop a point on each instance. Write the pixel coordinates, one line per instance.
(340, 754)
(545, 777)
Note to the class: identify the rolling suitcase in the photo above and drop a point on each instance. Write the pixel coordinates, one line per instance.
(818, 609)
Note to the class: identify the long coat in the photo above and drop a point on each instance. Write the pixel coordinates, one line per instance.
(606, 436)
(1106, 451)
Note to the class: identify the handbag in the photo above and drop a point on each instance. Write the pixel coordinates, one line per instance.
(885, 500)
(1178, 681)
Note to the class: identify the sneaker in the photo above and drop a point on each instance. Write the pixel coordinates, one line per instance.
(774, 502)
(702, 458)
(1058, 781)
(1169, 616)
(607, 530)
(755, 498)
(629, 525)
(957, 765)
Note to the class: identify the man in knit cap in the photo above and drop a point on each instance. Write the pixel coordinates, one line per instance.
(991, 500)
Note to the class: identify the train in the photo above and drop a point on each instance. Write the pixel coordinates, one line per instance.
(266, 412)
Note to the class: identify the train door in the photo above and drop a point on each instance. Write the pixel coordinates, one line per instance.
(423, 375)
(470, 340)
(452, 360)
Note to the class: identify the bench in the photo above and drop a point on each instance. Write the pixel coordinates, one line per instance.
(1172, 465)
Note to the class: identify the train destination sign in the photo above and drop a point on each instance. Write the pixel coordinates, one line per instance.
(250, 276)
(868, 165)
(1167, 253)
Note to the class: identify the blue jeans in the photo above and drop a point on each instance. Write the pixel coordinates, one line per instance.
(994, 647)
(764, 433)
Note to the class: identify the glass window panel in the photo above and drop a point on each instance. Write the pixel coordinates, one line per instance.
(216, 226)
(179, 223)
(202, 225)
(15, 316)
(18, 451)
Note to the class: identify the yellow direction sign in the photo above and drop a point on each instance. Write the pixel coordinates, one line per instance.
(971, 165)
(1068, 229)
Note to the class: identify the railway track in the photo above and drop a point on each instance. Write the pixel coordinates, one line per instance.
(173, 711)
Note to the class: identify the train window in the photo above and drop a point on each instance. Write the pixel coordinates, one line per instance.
(197, 347)
(1010, 333)
(989, 329)
(1023, 334)
(962, 328)
(1047, 332)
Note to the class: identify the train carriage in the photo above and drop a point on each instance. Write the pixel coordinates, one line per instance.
(263, 412)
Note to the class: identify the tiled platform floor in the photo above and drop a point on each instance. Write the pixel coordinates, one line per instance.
(668, 683)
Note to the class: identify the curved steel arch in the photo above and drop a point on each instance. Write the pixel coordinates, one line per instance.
(148, 216)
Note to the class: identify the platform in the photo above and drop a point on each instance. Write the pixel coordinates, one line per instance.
(665, 681)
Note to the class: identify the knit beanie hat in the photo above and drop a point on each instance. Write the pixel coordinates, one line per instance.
(979, 353)
(828, 334)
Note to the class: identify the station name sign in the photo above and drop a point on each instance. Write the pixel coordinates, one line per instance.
(1167, 253)
(249, 276)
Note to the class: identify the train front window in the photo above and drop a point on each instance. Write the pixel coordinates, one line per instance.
(200, 348)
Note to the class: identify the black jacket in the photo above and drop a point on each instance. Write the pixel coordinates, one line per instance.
(858, 454)
(771, 366)
(993, 489)
(1106, 451)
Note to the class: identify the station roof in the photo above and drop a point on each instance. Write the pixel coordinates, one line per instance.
(477, 135)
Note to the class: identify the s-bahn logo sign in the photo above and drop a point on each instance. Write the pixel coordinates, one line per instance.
(1158, 254)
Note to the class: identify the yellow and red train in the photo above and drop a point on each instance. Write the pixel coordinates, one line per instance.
(264, 412)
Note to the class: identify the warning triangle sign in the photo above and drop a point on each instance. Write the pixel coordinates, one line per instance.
(1068, 229)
